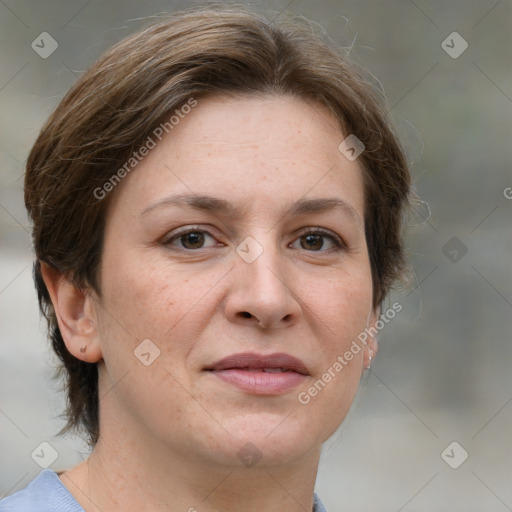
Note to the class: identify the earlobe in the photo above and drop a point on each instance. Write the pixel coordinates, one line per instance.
(371, 348)
(75, 314)
(369, 354)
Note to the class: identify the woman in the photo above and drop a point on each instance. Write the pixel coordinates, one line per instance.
(216, 211)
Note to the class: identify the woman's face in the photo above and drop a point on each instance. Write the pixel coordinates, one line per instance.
(239, 236)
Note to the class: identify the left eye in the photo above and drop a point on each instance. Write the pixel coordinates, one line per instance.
(192, 240)
(317, 241)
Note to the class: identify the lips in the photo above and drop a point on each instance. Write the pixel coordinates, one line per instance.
(255, 362)
(272, 374)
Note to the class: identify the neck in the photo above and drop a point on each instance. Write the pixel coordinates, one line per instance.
(130, 471)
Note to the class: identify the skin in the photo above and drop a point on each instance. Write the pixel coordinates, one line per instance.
(170, 432)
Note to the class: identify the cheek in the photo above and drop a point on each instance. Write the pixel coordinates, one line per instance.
(147, 297)
(340, 309)
(343, 304)
(147, 300)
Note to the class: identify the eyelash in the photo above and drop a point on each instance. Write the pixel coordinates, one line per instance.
(338, 242)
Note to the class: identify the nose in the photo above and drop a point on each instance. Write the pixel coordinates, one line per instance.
(261, 293)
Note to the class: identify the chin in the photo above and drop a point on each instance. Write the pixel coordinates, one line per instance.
(272, 439)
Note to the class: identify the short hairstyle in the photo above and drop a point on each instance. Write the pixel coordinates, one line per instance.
(136, 86)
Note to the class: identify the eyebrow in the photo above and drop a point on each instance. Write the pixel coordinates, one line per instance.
(322, 204)
(220, 206)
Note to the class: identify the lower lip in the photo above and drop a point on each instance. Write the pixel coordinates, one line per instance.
(261, 383)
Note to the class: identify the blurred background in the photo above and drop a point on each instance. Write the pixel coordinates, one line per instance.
(431, 426)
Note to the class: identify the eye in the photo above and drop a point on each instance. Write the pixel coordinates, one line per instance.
(192, 239)
(318, 240)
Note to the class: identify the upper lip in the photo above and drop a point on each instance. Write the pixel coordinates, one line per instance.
(252, 360)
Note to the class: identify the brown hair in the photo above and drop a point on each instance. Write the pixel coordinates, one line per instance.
(138, 84)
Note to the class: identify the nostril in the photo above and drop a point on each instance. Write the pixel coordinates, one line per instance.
(246, 314)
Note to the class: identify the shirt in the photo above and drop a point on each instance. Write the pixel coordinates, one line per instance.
(46, 493)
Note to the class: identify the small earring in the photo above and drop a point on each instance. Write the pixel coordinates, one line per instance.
(83, 348)
(370, 356)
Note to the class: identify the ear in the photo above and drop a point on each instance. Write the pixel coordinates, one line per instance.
(75, 314)
(371, 348)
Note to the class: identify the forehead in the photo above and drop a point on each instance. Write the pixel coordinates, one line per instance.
(268, 150)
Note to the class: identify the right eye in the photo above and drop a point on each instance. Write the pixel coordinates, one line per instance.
(191, 239)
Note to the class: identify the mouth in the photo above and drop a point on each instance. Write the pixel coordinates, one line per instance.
(269, 375)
